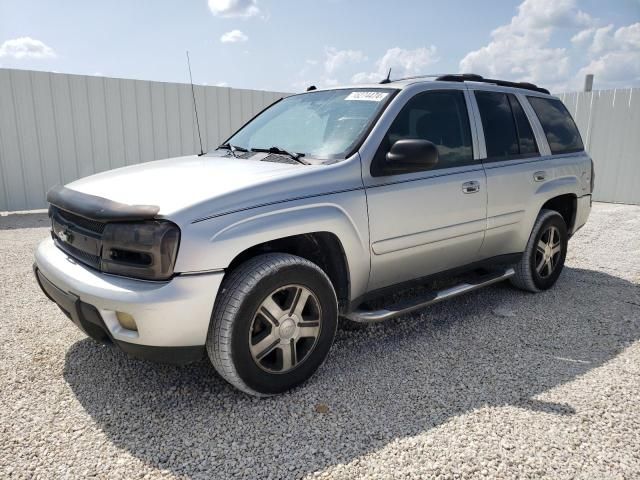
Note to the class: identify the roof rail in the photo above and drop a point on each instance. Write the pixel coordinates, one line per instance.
(460, 77)
(470, 77)
(431, 75)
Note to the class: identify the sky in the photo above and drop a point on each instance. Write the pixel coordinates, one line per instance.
(287, 45)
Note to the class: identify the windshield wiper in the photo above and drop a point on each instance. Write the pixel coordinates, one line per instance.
(281, 151)
(232, 148)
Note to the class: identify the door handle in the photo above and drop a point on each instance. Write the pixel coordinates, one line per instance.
(539, 176)
(471, 187)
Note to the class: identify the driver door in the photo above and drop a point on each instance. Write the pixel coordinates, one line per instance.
(433, 217)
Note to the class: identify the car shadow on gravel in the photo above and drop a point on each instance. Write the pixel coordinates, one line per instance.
(493, 348)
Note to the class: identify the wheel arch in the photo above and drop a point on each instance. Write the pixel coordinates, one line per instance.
(322, 248)
(560, 195)
(566, 205)
(335, 237)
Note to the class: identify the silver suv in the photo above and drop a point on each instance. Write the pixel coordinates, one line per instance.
(317, 209)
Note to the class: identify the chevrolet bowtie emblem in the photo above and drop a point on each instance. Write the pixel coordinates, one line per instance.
(66, 236)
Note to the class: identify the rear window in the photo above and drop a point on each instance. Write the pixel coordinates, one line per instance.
(561, 131)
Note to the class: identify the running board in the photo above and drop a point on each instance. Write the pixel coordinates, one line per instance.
(401, 308)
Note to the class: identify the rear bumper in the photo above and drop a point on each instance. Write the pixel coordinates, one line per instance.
(583, 209)
(172, 318)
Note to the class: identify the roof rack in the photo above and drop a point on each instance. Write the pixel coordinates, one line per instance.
(471, 77)
(431, 75)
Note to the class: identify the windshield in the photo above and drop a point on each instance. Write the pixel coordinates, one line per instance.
(323, 124)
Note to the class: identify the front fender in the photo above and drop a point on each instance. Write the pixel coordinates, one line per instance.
(213, 244)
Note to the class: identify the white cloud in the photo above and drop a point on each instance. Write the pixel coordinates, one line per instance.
(402, 62)
(625, 38)
(334, 59)
(615, 56)
(583, 37)
(602, 40)
(26, 47)
(520, 50)
(541, 14)
(221, 84)
(234, 8)
(234, 36)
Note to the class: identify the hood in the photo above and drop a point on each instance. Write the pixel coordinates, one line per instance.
(176, 184)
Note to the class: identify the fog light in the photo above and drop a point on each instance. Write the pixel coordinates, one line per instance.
(127, 321)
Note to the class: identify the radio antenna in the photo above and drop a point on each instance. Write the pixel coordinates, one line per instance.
(195, 108)
(388, 79)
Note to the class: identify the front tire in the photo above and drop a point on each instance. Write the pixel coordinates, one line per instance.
(273, 324)
(543, 259)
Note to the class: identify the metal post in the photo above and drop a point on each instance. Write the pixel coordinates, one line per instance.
(588, 82)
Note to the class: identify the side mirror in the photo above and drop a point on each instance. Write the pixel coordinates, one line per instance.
(412, 154)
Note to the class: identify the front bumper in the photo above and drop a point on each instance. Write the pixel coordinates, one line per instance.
(172, 318)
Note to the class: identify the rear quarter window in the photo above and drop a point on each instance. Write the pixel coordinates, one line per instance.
(560, 129)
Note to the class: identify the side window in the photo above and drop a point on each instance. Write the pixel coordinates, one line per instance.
(440, 117)
(561, 131)
(526, 140)
(507, 131)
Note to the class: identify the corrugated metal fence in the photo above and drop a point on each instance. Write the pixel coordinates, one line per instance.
(609, 121)
(55, 128)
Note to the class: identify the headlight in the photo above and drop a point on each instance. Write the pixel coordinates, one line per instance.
(142, 250)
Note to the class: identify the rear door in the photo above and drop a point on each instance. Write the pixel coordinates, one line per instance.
(512, 156)
(431, 219)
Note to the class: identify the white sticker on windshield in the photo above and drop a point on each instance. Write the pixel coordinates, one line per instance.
(367, 96)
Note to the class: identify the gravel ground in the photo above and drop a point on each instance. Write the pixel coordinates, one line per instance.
(497, 383)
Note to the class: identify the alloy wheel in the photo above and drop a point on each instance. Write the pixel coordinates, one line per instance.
(285, 328)
(548, 251)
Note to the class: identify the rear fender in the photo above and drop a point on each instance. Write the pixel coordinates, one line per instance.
(550, 189)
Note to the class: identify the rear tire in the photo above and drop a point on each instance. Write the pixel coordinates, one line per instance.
(543, 259)
(273, 324)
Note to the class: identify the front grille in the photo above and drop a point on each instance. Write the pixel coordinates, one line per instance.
(77, 236)
(81, 256)
(91, 225)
